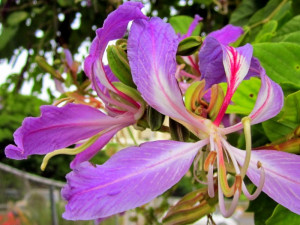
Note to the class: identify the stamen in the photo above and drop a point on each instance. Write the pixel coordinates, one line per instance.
(222, 173)
(69, 151)
(259, 187)
(210, 181)
(178, 71)
(210, 159)
(233, 205)
(196, 166)
(67, 100)
(247, 130)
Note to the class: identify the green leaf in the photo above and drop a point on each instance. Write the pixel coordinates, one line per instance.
(17, 17)
(291, 26)
(281, 61)
(291, 110)
(245, 96)
(65, 3)
(7, 35)
(243, 13)
(267, 31)
(181, 24)
(276, 130)
(267, 11)
(287, 121)
(283, 216)
(292, 37)
(206, 2)
(289, 88)
(262, 207)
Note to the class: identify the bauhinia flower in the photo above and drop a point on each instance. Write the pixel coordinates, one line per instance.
(60, 127)
(136, 175)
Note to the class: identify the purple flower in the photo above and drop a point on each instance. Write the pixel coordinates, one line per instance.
(60, 127)
(135, 175)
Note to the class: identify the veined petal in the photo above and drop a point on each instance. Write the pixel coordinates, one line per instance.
(211, 62)
(236, 62)
(269, 100)
(130, 178)
(94, 148)
(282, 175)
(227, 34)
(59, 128)
(268, 104)
(114, 27)
(151, 48)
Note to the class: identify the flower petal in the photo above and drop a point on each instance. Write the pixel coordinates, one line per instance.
(151, 48)
(227, 34)
(130, 178)
(282, 175)
(211, 62)
(268, 104)
(269, 100)
(236, 62)
(59, 128)
(114, 27)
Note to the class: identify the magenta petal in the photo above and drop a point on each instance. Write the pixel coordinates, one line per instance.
(59, 128)
(114, 27)
(130, 178)
(152, 47)
(227, 34)
(282, 175)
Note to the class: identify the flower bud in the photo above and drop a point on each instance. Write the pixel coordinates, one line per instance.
(119, 64)
(155, 119)
(189, 45)
(45, 66)
(178, 131)
(190, 208)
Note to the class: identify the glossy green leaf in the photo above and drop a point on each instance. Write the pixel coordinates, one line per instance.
(267, 31)
(280, 60)
(292, 37)
(287, 121)
(291, 110)
(291, 26)
(245, 96)
(16, 17)
(181, 24)
(245, 10)
(262, 207)
(276, 130)
(283, 216)
(271, 7)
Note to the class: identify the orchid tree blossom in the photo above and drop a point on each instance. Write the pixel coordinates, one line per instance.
(135, 175)
(59, 127)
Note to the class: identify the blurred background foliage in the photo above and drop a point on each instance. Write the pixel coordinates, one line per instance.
(43, 29)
